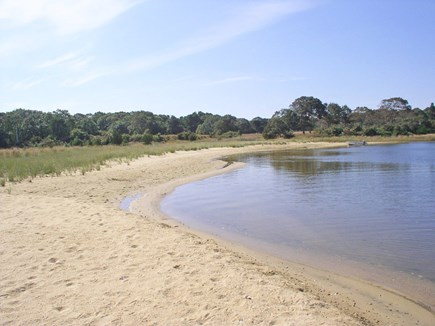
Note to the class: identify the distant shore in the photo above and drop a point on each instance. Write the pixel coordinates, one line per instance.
(69, 254)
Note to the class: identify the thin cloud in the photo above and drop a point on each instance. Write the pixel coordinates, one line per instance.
(90, 76)
(28, 83)
(250, 18)
(66, 16)
(56, 61)
(73, 60)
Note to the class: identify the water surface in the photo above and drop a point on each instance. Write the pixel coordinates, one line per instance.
(373, 205)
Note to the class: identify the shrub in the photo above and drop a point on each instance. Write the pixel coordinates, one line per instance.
(187, 135)
(147, 139)
(370, 132)
(158, 138)
(288, 134)
(116, 137)
(136, 138)
(230, 134)
(125, 138)
(48, 142)
(76, 142)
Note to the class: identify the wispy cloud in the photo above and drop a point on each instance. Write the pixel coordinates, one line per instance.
(255, 16)
(73, 60)
(28, 83)
(56, 61)
(84, 79)
(247, 19)
(66, 16)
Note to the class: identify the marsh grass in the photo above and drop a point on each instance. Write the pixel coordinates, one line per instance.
(19, 164)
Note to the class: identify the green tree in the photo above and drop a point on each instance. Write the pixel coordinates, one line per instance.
(337, 114)
(61, 124)
(174, 126)
(192, 121)
(309, 109)
(395, 103)
(243, 126)
(258, 124)
(224, 124)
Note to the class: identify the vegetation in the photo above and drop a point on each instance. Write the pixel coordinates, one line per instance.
(18, 164)
(27, 128)
(38, 143)
(394, 117)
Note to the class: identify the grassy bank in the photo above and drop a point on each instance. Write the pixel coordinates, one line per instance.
(19, 164)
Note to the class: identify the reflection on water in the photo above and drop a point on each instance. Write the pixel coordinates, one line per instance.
(371, 204)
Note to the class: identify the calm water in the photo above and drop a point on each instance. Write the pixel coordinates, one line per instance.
(374, 204)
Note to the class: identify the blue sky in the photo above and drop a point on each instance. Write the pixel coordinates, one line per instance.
(242, 57)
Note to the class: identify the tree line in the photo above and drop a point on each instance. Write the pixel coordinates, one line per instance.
(35, 128)
(394, 116)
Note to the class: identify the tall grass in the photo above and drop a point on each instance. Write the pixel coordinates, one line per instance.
(19, 164)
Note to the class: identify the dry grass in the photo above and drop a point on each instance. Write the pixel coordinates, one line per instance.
(19, 164)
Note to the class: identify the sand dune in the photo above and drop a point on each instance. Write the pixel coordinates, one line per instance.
(70, 255)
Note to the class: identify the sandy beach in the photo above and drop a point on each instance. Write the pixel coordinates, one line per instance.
(69, 255)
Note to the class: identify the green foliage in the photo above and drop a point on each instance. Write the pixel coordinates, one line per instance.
(275, 128)
(395, 103)
(158, 138)
(18, 164)
(308, 109)
(147, 138)
(115, 137)
(29, 128)
(230, 134)
(125, 139)
(187, 135)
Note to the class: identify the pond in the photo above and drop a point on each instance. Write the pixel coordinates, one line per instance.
(372, 205)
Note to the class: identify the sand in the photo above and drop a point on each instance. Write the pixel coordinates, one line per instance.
(70, 255)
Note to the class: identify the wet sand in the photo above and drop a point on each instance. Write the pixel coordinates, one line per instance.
(70, 255)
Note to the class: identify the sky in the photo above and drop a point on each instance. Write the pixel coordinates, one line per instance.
(247, 58)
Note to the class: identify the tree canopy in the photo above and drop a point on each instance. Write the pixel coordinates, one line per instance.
(34, 128)
(394, 116)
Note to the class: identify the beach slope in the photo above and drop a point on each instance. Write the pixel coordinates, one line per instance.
(70, 255)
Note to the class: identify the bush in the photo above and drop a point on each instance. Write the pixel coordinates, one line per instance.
(76, 142)
(370, 132)
(125, 138)
(270, 133)
(187, 135)
(422, 130)
(147, 139)
(288, 134)
(115, 137)
(48, 142)
(136, 138)
(230, 134)
(158, 138)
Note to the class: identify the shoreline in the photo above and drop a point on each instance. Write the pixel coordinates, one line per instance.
(412, 287)
(68, 254)
(339, 279)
